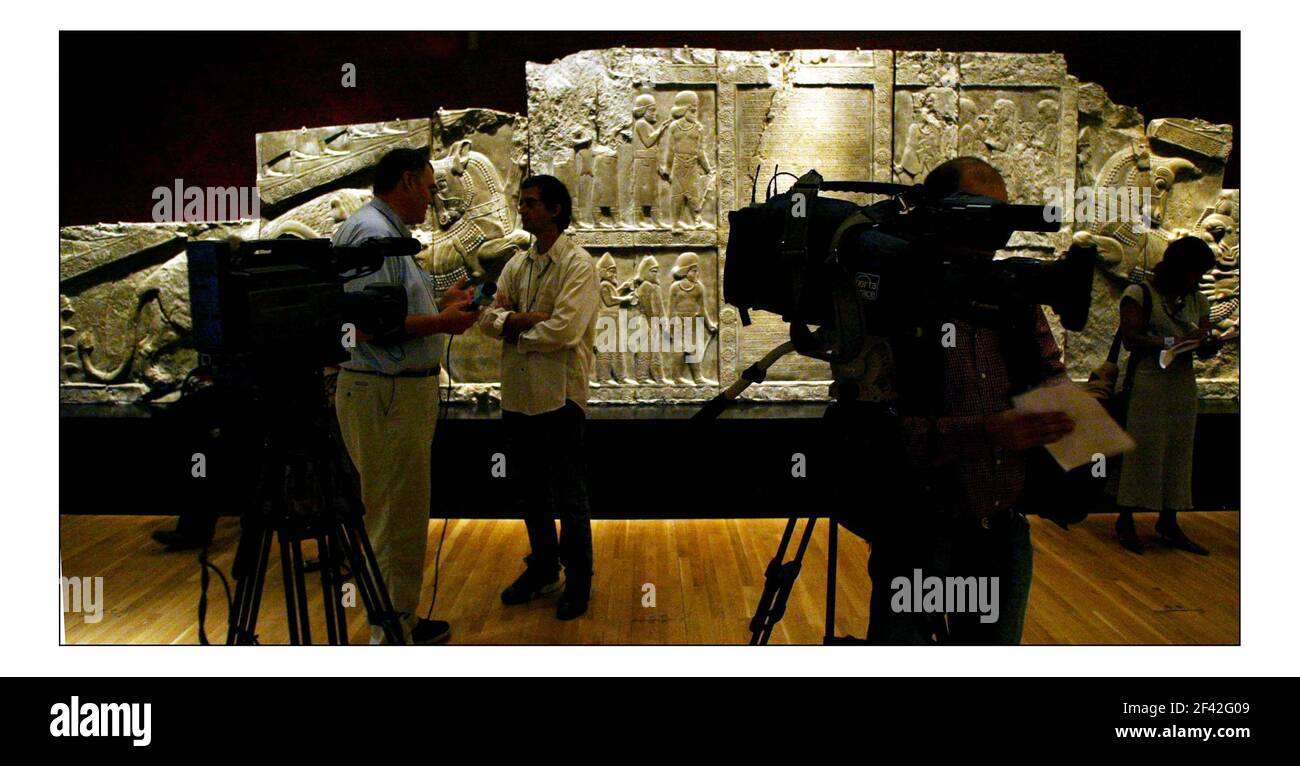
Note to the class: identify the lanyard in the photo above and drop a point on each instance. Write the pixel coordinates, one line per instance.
(540, 277)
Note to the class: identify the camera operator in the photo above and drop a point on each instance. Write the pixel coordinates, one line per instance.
(960, 516)
(387, 396)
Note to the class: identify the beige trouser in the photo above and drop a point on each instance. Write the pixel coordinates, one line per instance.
(387, 425)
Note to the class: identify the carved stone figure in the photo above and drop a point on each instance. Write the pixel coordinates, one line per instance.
(1003, 126)
(585, 170)
(476, 231)
(564, 166)
(292, 163)
(153, 340)
(685, 162)
(931, 139)
(124, 307)
(648, 361)
(970, 139)
(1222, 285)
(686, 303)
(1044, 137)
(604, 195)
(645, 160)
(1122, 246)
(611, 367)
(317, 218)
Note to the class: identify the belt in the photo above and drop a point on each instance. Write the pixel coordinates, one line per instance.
(432, 371)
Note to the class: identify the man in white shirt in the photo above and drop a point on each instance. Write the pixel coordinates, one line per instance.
(545, 315)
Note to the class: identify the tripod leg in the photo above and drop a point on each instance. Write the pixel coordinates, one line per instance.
(289, 574)
(771, 579)
(304, 622)
(778, 582)
(370, 581)
(789, 573)
(832, 567)
(248, 594)
(329, 588)
(243, 594)
(360, 577)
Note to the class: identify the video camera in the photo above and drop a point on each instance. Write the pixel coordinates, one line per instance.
(877, 270)
(264, 307)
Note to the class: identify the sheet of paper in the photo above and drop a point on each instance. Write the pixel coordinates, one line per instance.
(1167, 356)
(1095, 431)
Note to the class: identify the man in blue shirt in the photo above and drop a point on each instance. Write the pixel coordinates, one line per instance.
(387, 397)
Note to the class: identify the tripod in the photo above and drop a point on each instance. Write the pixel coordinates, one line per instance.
(303, 494)
(778, 582)
(842, 417)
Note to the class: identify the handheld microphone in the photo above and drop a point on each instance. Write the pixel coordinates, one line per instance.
(484, 292)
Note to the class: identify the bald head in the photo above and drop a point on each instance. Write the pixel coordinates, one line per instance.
(967, 175)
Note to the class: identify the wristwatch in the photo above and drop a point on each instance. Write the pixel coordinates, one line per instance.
(1169, 341)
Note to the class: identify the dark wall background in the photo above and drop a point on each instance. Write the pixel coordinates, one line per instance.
(139, 109)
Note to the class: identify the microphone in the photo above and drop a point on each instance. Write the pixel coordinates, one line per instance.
(484, 292)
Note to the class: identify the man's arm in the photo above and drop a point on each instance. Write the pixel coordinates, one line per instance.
(499, 320)
(453, 320)
(574, 309)
(941, 440)
(454, 317)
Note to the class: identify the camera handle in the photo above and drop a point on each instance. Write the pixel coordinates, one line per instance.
(755, 373)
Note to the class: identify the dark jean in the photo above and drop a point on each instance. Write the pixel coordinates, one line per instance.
(546, 464)
(954, 548)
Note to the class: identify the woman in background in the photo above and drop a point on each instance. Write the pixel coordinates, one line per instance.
(1157, 474)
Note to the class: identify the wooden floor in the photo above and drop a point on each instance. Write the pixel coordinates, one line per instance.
(707, 576)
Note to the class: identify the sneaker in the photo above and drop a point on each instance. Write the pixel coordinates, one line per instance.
(531, 584)
(573, 603)
(428, 632)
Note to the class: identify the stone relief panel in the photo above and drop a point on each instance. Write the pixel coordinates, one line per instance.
(292, 163)
(1017, 111)
(656, 146)
(633, 135)
(318, 217)
(796, 111)
(657, 324)
(1177, 167)
(124, 309)
(926, 115)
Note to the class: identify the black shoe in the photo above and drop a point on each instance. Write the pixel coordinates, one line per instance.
(1174, 535)
(1128, 536)
(531, 584)
(430, 632)
(573, 603)
(175, 541)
